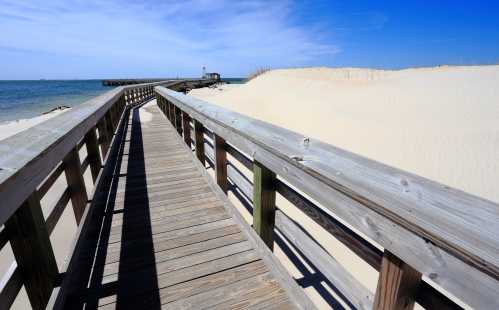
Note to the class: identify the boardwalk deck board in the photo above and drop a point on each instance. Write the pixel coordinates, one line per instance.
(162, 237)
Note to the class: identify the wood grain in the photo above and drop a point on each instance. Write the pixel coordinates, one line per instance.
(397, 285)
(76, 184)
(31, 246)
(264, 182)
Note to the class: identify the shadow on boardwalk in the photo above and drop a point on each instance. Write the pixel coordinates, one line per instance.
(121, 228)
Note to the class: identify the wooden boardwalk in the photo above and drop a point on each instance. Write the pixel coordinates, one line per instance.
(162, 235)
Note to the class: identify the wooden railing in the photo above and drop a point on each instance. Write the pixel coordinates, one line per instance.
(32, 161)
(432, 244)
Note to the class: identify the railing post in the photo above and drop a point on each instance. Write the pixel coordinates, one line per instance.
(264, 182)
(76, 184)
(186, 124)
(199, 137)
(397, 284)
(34, 255)
(104, 139)
(221, 163)
(178, 120)
(110, 124)
(171, 112)
(93, 153)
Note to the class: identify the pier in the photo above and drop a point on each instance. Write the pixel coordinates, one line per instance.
(158, 230)
(191, 83)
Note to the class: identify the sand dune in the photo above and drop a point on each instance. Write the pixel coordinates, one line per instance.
(441, 123)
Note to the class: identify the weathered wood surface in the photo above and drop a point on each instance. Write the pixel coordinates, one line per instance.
(76, 184)
(164, 235)
(398, 284)
(447, 235)
(264, 182)
(31, 246)
(355, 293)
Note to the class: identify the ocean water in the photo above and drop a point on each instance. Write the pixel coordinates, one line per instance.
(28, 99)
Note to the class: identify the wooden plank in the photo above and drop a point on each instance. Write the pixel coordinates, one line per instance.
(31, 246)
(116, 237)
(264, 182)
(180, 263)
(93, 154)
(10, 285)
(186, 121)
(342, 233)
(199, 140)
(398, 284)
(256, 287)
(162, 242)
(436, 222)
(356, 293)
(162, 257)
(76, 184)
(240, 157)
(185, 282)
(221, 164)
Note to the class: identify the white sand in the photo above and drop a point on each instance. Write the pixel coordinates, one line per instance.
(441, 123)
(10, 128)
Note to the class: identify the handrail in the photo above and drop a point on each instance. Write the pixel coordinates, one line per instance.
(31, 162)
(427, 229)
(28, 157)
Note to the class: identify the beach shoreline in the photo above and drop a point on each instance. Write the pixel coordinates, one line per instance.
(10, 128)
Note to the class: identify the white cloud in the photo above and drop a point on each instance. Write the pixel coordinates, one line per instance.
(155, 38)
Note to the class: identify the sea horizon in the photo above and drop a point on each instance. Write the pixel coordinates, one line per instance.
(26, 99)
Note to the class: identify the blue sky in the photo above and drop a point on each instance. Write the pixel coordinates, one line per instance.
(160, 38)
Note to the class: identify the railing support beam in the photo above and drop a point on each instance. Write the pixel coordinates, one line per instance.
(398, 284)
(186, 124)
(221, 163)
(76, 184)
(178, 120)
(31, 246)
(93, 153)
(104, 139)
(199, 137)
(264, 184)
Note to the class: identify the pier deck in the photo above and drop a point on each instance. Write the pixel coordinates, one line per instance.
(155, 230)
(161, 234)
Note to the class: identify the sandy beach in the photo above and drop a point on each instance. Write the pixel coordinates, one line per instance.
(440, 123)
(10, 128)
